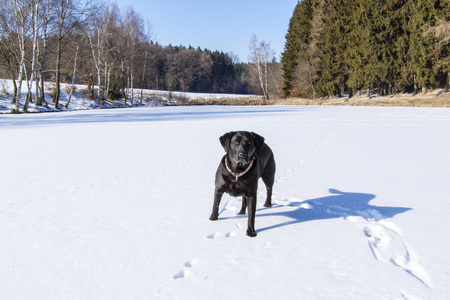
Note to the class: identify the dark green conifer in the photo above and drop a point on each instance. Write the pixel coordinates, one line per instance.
(334, 44)
(297, 38)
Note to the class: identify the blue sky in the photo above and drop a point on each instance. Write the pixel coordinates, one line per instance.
(224, 25)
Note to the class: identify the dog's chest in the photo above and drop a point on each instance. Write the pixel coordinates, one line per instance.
(237, 188)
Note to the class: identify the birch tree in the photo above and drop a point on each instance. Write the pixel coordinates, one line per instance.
(45, 17)
(134, 28)
(97, 42)
(71, 15)
(35, 25)
(8, 42)
(143, 74)
(21, 8)
(261, 55)
(72, 86)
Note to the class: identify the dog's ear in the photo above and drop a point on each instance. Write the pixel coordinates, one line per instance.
(225, 140)
(259, 141)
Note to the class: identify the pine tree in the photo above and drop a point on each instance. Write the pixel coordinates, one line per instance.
(359, 52)
(305, 74)
(334, 45)
(382, 32)
(297, 38)
(441, 31)
(420, 53)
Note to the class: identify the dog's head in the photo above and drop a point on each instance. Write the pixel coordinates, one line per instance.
(241, 145)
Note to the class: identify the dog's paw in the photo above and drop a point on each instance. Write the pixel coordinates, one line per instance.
(267, 204)
(214, 218)
(251, 233)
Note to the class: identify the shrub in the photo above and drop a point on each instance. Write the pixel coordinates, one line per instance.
(4, 86)
(68, 88)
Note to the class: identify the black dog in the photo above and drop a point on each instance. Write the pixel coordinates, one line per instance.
(248, 158)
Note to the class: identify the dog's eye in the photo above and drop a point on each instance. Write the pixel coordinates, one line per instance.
(236, 143)
(249, 142)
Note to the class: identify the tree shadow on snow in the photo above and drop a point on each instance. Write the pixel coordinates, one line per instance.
(340, 204)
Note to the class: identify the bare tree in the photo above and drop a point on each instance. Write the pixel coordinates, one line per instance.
(71, 15)
(134, 28)
(72, 86)
(261, 55)
(143, 74)
(146, 44)
(98, 32)
(21, 8)
(45, 17)
(34, 25)
(8, 42)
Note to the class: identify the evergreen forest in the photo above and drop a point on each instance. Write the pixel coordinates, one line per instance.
(348, 46)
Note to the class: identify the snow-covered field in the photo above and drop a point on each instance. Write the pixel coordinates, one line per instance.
(114, 204)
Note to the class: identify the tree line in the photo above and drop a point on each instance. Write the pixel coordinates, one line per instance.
(343, 46)
(114, 54)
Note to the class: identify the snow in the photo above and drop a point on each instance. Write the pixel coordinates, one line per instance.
(80, 101)
(114, 204)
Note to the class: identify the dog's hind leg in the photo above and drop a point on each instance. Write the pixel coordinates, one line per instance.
(268, 202)
(268, 178)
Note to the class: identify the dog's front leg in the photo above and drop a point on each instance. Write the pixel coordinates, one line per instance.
(251, 203)
(215, 211)
(244, 206)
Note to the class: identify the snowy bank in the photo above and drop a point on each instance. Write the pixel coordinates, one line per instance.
(80, 101)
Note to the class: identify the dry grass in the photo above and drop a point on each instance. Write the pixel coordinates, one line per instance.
(247, 101)
(430, 99)
(68, 88)
(50, 89)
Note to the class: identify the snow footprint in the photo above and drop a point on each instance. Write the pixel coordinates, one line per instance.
(280, 179)
(230, 234)
(181, 274)
(213, 235)
(385, 240)
(186, 271)
(190, 263)
(387, 245)
(217, 234)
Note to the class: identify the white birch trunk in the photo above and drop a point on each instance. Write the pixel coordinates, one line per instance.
(27, 98)
(73, 76)
(34, 67)
(20, 19)
(143, 73)
(258, 62)
(131, 85)
(266, 84)
(34, 18)
(19, 82)
(98, 57)
(42, 56)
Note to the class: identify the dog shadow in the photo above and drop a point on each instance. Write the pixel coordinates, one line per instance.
(338, 205)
